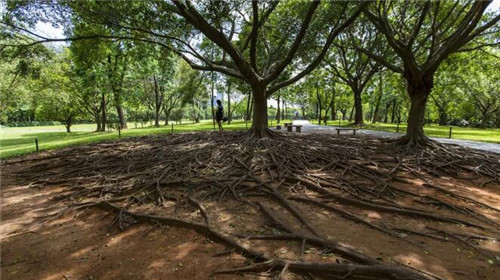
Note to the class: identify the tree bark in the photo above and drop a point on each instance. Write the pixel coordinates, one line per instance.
(249, 112)
(157, 102)
(358, 105)
(393, 115)
(418, 90)
(283, 109)
(103, 112)
(121, 116)
(229, 102)
(68, 122)
(332, 106)
(443, 117)
(259, 119)
(278, 112)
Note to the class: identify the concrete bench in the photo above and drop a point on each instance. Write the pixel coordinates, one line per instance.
(290, 127)
(346, 129)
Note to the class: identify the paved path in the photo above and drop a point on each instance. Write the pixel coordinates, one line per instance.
(313, 128)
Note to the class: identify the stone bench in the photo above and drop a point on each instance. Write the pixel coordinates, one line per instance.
(298, 128)
(346, 129)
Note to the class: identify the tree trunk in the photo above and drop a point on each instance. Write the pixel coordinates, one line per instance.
(352, 113)
(229, 102)
(332, 106)
(167, 115)
(377, 106)
(103, 113)
(259, 119)
(358, 105)
(98, 122)
(157, 102)
(418, 90)
(283, 109)
(278, 112)
(68, 124)
(121, 116)
(443, 117)
(393, 115)
(249, 99)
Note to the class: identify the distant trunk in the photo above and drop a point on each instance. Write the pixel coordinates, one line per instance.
(249, 110)
(103, 113)
(352, 113)
(318, 97)
(278, 112)
(386, 114)
(283, 108)
(379, 98)
(332, 107)
(393, 115)
(167, 115)
(212, 100)
(158, 102)
(98, 123)
(443, 117)
(121, 117)
(68, 123)
(229, 102)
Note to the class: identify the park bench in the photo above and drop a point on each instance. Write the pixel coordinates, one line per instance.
(290, 127)
(346, 129)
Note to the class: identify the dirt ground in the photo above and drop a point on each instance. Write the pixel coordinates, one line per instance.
(83, 246)
(87, 244)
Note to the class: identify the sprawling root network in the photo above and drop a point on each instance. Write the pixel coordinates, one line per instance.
(181, 180)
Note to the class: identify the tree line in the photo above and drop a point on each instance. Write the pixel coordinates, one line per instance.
(270, 48)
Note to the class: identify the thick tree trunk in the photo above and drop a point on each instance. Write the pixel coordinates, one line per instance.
(278, 112)
(418, 90)
(358, 107)
(121, 116)
(103, 112)
(259, 119)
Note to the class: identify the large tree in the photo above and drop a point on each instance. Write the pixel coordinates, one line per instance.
(423, 34)
(257, 49)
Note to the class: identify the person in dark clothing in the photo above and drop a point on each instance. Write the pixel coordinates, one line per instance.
(219, 114)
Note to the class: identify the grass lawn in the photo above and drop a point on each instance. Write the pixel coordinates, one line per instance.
(16, 141)
(466, 133)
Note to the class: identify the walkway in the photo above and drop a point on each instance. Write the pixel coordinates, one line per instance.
(314, 128)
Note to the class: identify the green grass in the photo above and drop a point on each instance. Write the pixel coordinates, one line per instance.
(15, 141)
(491, 135)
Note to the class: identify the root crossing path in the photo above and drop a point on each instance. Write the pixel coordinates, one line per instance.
(295, 206)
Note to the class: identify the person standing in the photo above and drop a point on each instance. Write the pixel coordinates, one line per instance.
(219, 114)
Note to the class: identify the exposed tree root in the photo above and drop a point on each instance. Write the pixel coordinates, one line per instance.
(172, 175)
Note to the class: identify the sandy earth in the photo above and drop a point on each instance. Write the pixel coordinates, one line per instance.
(85, 245)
